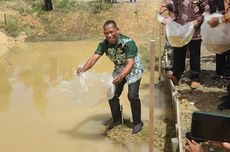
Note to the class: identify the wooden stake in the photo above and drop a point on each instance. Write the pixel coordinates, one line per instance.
(5, 20)
(151, 108)
(159, 51)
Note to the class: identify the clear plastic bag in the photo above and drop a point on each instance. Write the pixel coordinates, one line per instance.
(217, 39)
(89, 89)
(160, 18)
(179, 35)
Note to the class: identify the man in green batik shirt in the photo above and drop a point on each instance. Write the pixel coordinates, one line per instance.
(128, 68)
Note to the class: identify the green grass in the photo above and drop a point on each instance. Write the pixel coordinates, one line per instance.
(145, 55)
(13, 27)
(96, 6)
(73, 20)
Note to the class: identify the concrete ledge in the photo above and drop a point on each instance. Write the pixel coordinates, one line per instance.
(176, 142)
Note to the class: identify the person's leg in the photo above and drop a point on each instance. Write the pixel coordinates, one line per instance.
(133, 96)
(194, 47)
(179, 55)
(227, 65)
(114, 103)
(225, 100)
(48, 5)
(220, 64)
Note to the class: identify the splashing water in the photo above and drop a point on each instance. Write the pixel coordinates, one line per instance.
(89, 89)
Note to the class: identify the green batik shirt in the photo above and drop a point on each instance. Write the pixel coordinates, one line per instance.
(118, 54)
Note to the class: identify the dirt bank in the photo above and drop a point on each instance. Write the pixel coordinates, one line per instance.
(163, 132)
(78, 22)
(4, 43)
(7, 42)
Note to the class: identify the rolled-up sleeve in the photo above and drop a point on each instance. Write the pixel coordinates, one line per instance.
(130, 49)
(101, 48)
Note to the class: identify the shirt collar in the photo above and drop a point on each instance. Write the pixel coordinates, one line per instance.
(119, 41)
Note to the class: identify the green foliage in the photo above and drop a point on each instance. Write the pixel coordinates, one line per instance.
(145, 55)
(97, 6)
(33, 6)
(144, 51)
(12, 26)
(67, 5)
(37, 7)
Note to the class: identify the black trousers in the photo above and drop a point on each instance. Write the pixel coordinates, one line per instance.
(48, 5)
(133, 96)
(180, 56)
(223, 64)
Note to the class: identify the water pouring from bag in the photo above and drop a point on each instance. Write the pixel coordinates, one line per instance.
(89, 88)
(111, 91)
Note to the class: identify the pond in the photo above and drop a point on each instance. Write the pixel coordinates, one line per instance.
(35, 117)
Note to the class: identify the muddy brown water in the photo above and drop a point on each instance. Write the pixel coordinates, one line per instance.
(35, 117)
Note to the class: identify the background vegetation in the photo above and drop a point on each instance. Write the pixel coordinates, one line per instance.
(74, 19)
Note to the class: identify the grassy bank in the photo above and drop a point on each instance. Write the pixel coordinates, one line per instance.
(74, 20)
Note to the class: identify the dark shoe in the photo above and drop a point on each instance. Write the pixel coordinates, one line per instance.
(216, 77)
(224, 105)
(114, 124)
(137, 128)
(226, 77)
(223, 98)
(171, 77)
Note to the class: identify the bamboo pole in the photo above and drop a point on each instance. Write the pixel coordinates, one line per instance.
(151, 108)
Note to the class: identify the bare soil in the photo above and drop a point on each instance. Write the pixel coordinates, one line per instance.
(206, 97)
(163, 132)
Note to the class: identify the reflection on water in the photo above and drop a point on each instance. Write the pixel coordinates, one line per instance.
(162, 107)
(5, 88)
(35, 117)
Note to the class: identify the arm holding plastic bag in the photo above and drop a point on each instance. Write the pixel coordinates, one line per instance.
(89, 64)
(165, 20)
(92, 61)
(174, 13)
(125, 72)
(184, 25)
(215, 21)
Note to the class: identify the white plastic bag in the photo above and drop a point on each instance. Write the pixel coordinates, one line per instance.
(179, 35)
(89, 89)
(160, 18)
(217, 39)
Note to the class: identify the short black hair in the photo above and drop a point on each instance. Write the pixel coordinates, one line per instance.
(110, 22)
